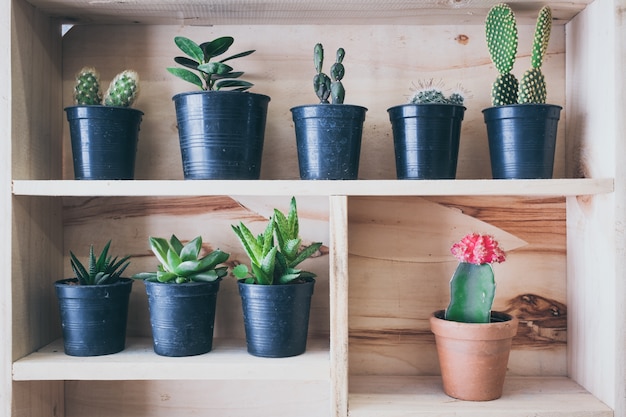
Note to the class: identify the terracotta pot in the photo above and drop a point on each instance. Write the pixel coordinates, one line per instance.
(473, 357)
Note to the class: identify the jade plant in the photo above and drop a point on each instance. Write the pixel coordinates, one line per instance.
(324, 85)
(275, 253)
(431, 91)
(473, 287)
(502, 40)
(122, 91)
(180, 263)
(211, 75)
(101, 270)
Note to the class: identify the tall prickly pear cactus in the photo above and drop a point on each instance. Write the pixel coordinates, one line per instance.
(532, 88)
(87, 87)
(501, 31)
(322, 84)
(123, 90)
(467, 281)
(337, 72)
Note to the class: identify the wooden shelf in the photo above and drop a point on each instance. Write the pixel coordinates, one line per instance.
(423, 396)
(554, 187)
(228, 360)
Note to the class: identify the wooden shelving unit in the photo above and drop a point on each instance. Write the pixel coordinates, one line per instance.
(384, 265)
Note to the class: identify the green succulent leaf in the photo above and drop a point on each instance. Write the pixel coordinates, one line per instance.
(186, 75)
(239, 55)
(166, 276)
(241, 271)
(190, 48)
(215, 68)
(191, 250)
(306, 253)
(239, 84)
(216, 47)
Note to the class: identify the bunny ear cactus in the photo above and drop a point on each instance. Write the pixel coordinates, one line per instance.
(212, 75)
(87, 87)
(276, 252)
(501, 31)
(473, 287)
(322, 84)
(532, 88)
(502, 40)
(180, 263)
(123, 90)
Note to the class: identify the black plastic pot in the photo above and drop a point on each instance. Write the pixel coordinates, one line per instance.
(276, 318)
(104, 141)
(522, 140)
(182, 317)
(221, 134)
(426, 139)
(93, 317)
(328, 138)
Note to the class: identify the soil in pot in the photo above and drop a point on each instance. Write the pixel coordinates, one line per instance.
(276, 318)
(93, 317)
(473, 357)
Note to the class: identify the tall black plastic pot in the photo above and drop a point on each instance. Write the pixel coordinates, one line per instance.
(221, 134)
(182, 317)
(104, 141)
(328, 138)
(522, 140)
(93, 317)
(426, 139)
(276, 318)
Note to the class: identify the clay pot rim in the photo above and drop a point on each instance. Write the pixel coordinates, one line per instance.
(474, 331)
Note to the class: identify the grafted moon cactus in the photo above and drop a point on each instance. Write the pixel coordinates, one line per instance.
(322, 84)
(473, 287)
(123, 90)
(502, 41)
(87, 87)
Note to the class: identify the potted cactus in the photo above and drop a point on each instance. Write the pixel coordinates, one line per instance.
(275, 295)
(94, 305)
(473, 342)
(427, 131)
(221, 128)
(521, 127)
(104, 129)
(328, 136)
(182, 296)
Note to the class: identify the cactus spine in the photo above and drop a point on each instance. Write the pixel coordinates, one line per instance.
(501, 32)
(87, 87)
(123, 90)
(322, 84)
(431, 91)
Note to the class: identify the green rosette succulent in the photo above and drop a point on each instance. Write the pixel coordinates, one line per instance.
(101, 270)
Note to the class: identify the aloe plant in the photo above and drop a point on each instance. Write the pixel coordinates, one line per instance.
(275, 253)
(102, 270)
(211, 75)
(122, 91)
(180, 263)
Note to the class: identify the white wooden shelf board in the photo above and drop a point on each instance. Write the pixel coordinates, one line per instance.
(423, 396)
(228, 360)
(552, 187)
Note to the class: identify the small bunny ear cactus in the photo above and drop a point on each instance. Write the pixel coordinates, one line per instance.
(532, 87)
(473, 287)
(502, 45)
(501, 32)
(322, 84)
(87, 87)
(123, 90)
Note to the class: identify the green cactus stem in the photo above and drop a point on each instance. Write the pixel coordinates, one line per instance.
(532, 87)
(431, 91)
(501, 31)
(469, 280)
(123, 90)
(87, 87)
(337, 71)
(322, 84)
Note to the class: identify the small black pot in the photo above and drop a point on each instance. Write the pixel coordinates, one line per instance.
(426, 139)
(328, 137)
(93, 317)
(221, 134)
(522, 140)
(182, 317)
(104, 141)
(276, 318)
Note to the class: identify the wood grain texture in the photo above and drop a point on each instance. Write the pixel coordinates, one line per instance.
(383, 62)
